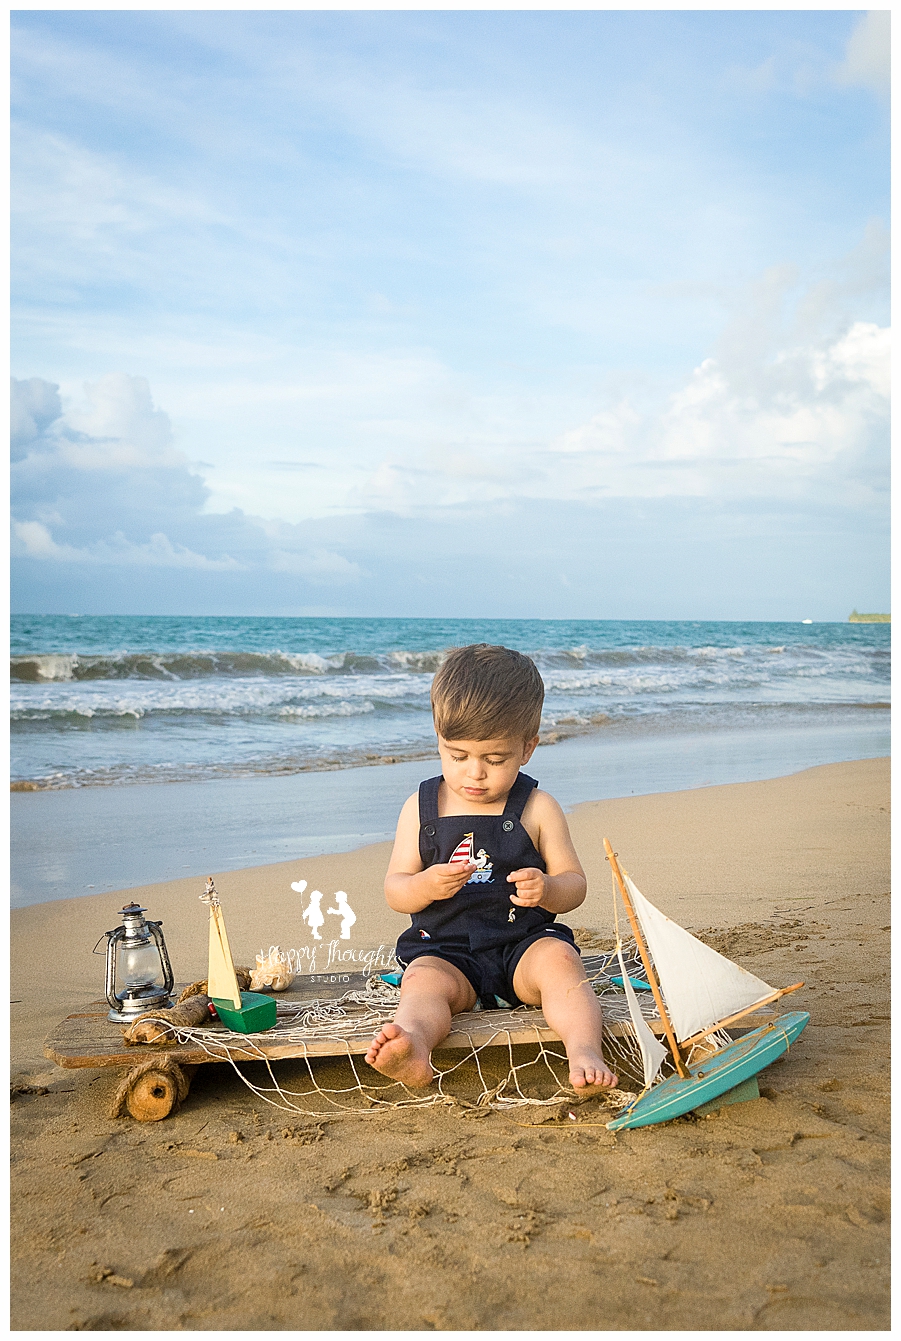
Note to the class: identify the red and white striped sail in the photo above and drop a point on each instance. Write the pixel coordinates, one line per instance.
(462, 853)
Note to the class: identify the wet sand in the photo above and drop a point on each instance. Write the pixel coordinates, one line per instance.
(771, 1215)
(110, 838)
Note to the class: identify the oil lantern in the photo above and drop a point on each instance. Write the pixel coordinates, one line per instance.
(138, 972)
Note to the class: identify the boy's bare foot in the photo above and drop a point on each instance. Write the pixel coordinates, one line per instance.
(396, 1053)
(588, 1072)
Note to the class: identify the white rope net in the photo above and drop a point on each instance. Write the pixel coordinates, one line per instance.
(493, 1073)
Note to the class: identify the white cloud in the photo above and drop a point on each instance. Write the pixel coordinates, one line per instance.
(813, 424)
(100, 483)
(779, 412)
(33, 540)
(117, 427)
(34, 404)
(318, 563)
(806, 68)
(868, 56)
(807, 420)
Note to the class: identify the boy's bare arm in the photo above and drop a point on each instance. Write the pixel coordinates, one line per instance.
(409, 888)
(563, 886)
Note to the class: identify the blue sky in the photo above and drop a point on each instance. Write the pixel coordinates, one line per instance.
(451, 313)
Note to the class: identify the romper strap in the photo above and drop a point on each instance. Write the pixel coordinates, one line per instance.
(428, 800)
(519, 794)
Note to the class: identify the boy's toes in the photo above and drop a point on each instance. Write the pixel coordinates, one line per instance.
(387, 1032)
(592, 1077)
(396, 1053)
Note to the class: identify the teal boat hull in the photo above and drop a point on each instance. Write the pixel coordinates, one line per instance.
(714, 1075)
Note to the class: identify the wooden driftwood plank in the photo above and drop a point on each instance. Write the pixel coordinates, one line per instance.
(91, 1040)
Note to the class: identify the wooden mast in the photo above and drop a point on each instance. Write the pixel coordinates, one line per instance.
(668, 1030)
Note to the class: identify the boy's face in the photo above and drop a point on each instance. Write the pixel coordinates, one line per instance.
(481, 772)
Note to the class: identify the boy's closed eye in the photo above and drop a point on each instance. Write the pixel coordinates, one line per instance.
(497, 760)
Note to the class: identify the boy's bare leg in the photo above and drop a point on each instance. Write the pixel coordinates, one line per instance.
(551, 975)
(431, 991)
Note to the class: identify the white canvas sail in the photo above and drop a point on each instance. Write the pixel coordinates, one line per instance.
(652, 1050)
(221, 979)
(700, 987)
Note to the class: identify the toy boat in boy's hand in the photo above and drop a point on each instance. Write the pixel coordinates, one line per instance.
(697, 992)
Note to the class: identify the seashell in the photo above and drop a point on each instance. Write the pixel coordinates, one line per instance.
(273, 972)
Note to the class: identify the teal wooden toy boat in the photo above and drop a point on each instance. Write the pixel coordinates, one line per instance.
(636, 983)
(716, 1075)
(697, 992)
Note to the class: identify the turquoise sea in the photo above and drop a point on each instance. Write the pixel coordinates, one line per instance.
(98, 701)
(148, 749)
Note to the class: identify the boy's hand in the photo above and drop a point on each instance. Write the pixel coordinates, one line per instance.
(530, 886)
(446, 879)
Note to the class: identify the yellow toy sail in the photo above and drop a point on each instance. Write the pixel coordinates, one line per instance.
(222, 983)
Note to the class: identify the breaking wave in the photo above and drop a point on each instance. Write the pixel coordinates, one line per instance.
(204, 665)
(45, 668)
(96, 700)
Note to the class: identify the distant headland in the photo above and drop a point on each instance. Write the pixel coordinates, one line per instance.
(855, 618)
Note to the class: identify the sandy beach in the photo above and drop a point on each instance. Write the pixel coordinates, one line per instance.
(770, 1215)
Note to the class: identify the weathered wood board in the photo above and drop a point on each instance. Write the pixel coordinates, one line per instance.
(89, 1039)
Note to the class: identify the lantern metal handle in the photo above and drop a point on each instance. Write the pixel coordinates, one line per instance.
(113, 938)
(164, 953)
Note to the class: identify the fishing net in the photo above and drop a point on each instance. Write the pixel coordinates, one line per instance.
(494, 1072)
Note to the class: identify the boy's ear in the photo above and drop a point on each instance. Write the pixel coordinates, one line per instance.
(528, 749)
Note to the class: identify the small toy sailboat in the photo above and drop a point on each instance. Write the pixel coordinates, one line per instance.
(245, 1012)
(697, 992)
(463, 852)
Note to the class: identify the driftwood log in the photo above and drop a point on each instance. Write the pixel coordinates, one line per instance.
(153, 1090)
(158, 1026)
(191, 1009)
(198, 988)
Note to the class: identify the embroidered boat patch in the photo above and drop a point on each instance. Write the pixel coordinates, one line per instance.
(464, 851)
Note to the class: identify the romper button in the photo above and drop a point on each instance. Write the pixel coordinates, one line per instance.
(430, 830)
(508, 826)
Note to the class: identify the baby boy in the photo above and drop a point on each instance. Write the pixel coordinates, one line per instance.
(483, 861)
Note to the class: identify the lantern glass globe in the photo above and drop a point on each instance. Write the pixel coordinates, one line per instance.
(140, 965)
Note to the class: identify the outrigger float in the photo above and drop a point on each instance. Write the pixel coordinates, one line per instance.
(698, 993)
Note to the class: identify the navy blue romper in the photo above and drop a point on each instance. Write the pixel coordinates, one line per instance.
(479, 930)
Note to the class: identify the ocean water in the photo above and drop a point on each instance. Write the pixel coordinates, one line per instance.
(102, 701)
(94, 840)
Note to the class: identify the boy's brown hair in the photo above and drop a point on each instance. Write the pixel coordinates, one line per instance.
(483, 692)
